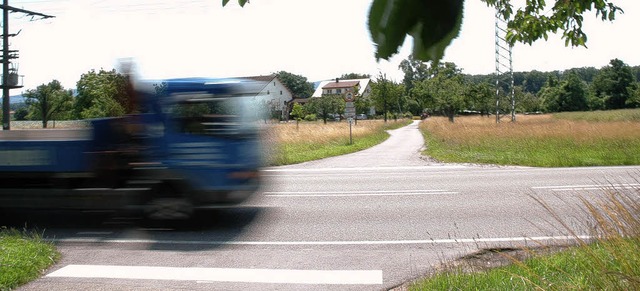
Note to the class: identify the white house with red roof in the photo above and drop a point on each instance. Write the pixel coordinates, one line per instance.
(338, 86)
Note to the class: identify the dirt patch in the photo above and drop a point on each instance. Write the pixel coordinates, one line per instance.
(486, 259)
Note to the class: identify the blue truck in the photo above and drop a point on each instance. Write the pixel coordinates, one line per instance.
(194, 143)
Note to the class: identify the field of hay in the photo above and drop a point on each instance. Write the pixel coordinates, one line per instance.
(536, 140)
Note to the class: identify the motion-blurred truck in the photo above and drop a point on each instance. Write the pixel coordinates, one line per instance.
(194, 144)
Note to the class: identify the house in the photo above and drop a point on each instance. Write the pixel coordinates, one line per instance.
(337, 86)
(274, 94)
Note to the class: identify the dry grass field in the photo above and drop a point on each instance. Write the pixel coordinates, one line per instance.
(534, 140)
(290, 143)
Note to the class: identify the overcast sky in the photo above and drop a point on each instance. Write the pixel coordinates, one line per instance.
(318, 39)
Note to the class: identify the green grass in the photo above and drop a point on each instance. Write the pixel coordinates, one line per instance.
(23, 257)
(609, 115)
(548, 152)
(599, 266)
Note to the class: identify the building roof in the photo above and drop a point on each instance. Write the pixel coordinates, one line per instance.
(341, 84)
(363, 85)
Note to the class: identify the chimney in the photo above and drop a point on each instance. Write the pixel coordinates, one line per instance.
(337, 80)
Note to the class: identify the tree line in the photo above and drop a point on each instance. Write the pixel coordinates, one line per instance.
(427, 87)
(443, 89)
(98, 94)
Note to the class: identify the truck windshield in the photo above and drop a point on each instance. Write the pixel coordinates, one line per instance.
(219, 116)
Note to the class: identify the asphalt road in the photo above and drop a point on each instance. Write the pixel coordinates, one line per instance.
(366, 221)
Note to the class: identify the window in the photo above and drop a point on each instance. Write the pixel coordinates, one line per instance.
(280, 92)
(338, 91)
(268, 92)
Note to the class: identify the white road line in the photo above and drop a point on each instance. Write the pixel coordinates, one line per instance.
(94, 232)
(203, 275)
(588, 187)
(346, 170)
(357, 193)
(326, 243)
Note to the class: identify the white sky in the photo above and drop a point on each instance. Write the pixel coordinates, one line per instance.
(318, 39)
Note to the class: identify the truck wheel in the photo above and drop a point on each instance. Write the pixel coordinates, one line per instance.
(169, 209)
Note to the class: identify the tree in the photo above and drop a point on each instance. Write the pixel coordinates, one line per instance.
(572, 95)
(326, 105)
(414, 70)
(298, 112)
(444, 91)
(21, 113)
(533, 81)
(103, 94)
(386, 95)
(48, 101)
(354, 76)
(296, 83)
(634, 99)
(482, 97)
(613, 84)
(527, 101)
(549, 94)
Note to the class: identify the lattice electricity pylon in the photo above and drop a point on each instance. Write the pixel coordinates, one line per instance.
(504, 70)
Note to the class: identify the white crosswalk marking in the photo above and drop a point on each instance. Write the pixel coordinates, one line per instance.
(203, 275)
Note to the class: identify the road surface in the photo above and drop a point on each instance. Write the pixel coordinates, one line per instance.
(371, 220)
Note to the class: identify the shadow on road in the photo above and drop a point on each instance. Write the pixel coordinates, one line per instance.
(207, 229)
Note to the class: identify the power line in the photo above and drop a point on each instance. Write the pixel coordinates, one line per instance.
(10, 76)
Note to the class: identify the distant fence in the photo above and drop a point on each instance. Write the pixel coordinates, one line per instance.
(37, 124)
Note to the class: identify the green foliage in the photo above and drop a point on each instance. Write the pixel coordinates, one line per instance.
(23, 257)
(350, 76)
(326, 105)
(48, 101)
(298, 111)
(481, 97)
(570, 95)
(615, 84)
(310, 117)
(432, 24)
(444, 91)
(21, 113)
(297, 84)
(387, 95)
(103, 94)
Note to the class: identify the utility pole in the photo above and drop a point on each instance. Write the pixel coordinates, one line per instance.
(504, 65)
(10, 76)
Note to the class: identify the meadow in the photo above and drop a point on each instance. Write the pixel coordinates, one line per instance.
(291, 143)
(564, 140)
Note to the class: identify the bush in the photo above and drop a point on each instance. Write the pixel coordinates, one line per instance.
(311, 117)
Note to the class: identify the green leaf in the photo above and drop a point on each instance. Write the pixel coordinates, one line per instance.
(224, 2)
(432, 24)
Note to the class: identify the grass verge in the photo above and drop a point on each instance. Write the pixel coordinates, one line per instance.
(292, 143)
(566, 140)
(608, 262)
(23, 257)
